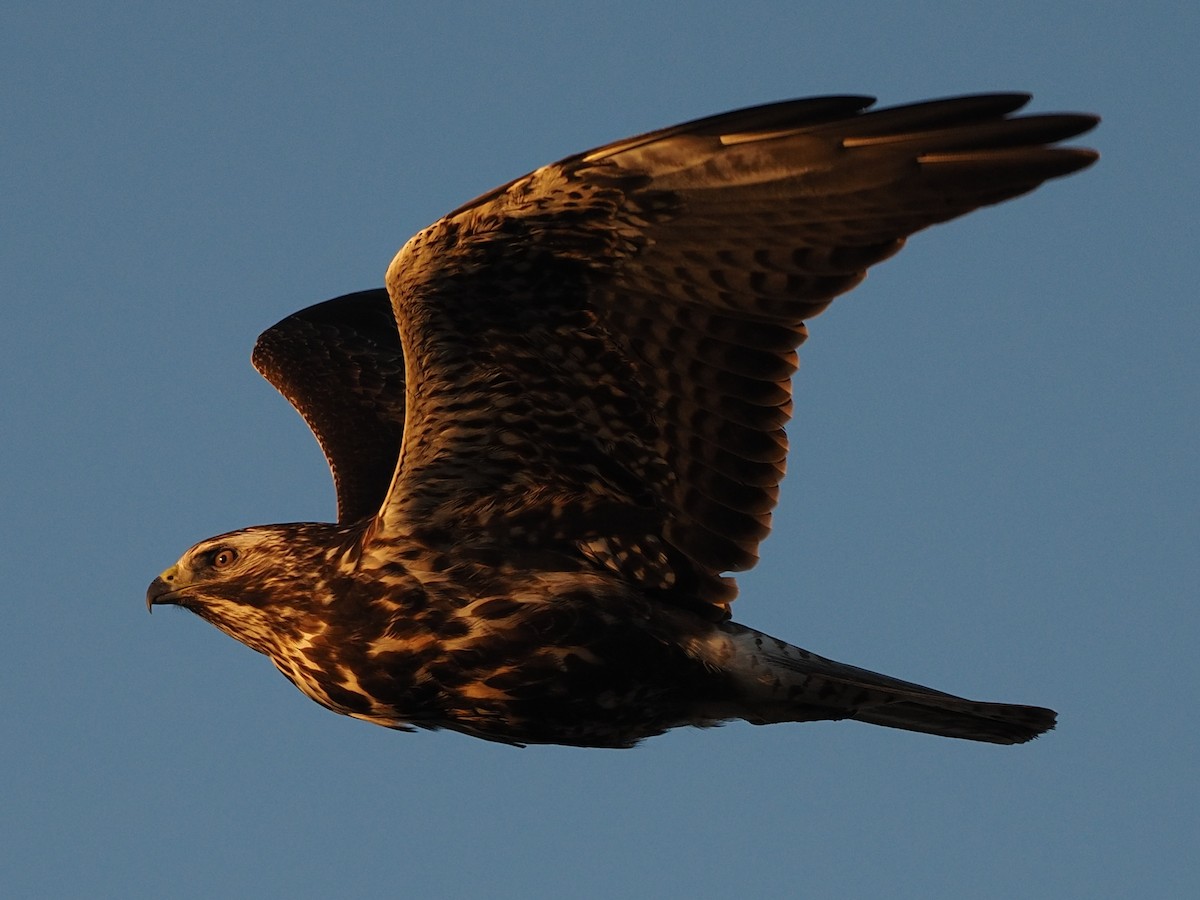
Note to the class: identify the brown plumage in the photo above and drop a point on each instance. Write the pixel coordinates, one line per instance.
(561, 427)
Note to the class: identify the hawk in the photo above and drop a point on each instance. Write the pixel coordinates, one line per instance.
(561, 427)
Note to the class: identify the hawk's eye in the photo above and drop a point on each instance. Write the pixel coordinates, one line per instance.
(223, 559)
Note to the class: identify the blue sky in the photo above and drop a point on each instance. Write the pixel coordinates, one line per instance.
(993, 483)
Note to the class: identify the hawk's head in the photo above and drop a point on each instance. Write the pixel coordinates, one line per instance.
(257, 584)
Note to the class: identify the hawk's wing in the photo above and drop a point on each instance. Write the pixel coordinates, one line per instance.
(599, 354)
(340, 364)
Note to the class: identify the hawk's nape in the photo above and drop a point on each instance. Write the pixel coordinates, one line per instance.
(562, 426)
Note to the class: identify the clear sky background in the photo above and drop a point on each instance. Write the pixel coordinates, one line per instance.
(993, 482)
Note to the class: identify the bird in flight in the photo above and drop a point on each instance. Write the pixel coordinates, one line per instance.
(561, 427)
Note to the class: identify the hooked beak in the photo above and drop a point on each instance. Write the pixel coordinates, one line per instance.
(160, 590)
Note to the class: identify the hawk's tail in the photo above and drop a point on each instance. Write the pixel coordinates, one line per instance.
(784, 683)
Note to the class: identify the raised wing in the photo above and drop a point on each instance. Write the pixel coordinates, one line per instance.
(340, 364)
(600, 353)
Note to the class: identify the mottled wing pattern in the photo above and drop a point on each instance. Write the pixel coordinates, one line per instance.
(600, 353)
(775, 220)
(340, 364)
